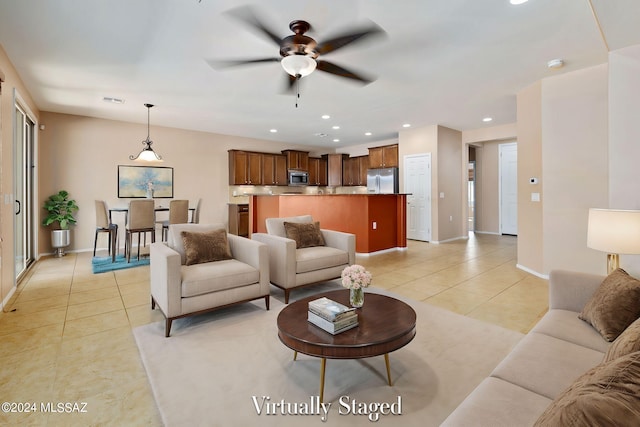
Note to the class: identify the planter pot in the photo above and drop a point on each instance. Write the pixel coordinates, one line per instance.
(60, 239)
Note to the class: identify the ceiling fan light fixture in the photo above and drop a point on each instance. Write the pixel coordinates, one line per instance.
(298, 65)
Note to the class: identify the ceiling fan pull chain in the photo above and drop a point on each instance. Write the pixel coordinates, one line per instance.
(297, 89)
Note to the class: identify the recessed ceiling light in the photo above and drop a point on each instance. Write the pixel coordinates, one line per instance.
(326, 117)
(487, 119)
(113, 100)
(554, 64)
(335, 127)
(367, 133)
(516, 2)
(406, 125)
(273, 130)
(336, 140)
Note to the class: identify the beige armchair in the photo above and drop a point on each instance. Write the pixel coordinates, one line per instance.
(181, 290)
(290, 267)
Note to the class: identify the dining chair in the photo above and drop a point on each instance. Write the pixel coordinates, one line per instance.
(178, 214)
(140, 219)
(195, 216)
(104, 225)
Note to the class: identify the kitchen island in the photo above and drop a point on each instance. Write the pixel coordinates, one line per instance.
(377, 220)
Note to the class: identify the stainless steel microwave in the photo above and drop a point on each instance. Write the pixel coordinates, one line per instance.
(297, 177)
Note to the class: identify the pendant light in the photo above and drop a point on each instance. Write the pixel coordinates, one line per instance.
(147, 154)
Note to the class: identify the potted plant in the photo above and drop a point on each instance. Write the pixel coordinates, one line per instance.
(60, 214)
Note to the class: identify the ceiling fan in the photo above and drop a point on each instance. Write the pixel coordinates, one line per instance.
(300, 54)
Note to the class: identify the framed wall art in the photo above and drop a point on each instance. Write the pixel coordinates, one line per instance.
(145, 182)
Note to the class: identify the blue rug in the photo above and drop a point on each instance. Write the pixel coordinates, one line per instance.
(104, 264)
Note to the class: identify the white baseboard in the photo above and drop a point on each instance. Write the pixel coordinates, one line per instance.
(382, 251)
(7, 298)
(488, 232)
(535, 273)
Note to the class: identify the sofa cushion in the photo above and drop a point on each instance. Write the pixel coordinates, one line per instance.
(318, 258)
(275, 226)
(209, 277)
(565, 325)
(306, 235)
(205, 247)
(627, 342)
(498, 403)
(546, 365)
(607, 395)
(614, 305)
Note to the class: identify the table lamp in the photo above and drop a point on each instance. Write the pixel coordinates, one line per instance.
(614, 231)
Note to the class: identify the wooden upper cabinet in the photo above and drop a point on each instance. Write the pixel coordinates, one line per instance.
(245, 167)
(334, 168)
(297, 159)
(317, 171)
(274, 169)
(384, 157)
(364, 167)
(354, 170)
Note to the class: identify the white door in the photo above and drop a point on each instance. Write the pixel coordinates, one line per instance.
(508, 188)
(417, 184)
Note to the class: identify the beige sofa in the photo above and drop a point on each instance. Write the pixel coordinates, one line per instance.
(290, 267)
(181, 290)
(558, 350)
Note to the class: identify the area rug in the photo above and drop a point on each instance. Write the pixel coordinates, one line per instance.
(104, 264)
(228, 368)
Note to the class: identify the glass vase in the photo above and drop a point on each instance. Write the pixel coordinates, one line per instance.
(356, 297)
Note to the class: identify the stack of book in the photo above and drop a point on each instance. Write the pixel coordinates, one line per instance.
(332, 316)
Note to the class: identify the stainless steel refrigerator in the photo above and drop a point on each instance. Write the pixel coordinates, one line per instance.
(382, 181)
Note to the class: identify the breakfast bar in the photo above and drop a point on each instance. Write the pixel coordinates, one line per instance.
(377, 220)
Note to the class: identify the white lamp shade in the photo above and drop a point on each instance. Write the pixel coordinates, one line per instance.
(614, 231)
(298, 65)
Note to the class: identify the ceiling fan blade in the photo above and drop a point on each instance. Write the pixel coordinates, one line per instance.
(249, 16)
(289, 85)
(222, 64)
(330, 67)
(345, 39)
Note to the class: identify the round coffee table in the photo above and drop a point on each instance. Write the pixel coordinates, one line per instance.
(385, 324)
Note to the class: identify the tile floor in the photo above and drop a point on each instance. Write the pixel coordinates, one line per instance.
(66, 334)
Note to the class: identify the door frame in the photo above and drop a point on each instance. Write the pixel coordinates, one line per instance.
(19, 102)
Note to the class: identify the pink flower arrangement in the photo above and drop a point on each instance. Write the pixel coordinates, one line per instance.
(355, 277)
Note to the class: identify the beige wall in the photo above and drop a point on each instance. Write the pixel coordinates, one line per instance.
(12, 82)
(487, 188)
(624, 137)
(451, 172)
(530, 236)
(574, 165)
(81, 155)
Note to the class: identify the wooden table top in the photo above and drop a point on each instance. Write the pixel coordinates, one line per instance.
(385, 324)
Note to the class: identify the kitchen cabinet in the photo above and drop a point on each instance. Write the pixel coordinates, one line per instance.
(274, 169)
(384, 157)
(297, 159)
(317, 171)
(355, 170)
(245, 167)
(239, 219)
(335, 168)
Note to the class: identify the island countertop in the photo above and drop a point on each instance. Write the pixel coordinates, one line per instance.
(377, 220)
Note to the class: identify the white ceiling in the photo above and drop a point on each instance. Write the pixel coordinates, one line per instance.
(446, 62)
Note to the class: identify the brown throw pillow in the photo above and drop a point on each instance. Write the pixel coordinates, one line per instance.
(607, 395)
(614, 305)
(305, 234)
(205, 247)
(627, 342)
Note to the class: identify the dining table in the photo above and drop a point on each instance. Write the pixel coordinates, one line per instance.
(125, 210)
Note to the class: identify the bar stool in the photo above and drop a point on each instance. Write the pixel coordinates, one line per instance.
(104, 225)
(141, 219)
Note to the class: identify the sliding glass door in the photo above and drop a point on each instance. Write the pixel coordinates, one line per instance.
(24, 232)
